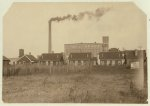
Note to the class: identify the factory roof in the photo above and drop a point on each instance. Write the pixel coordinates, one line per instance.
(84, 43)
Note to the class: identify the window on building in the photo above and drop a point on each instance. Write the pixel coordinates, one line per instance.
(54, 63)
(136, 53)
(122, 61)
(48, 62)
(108, 62)
(76, 62)
(113, 62)
(102, 63)
(119, 62)
(122, 54)
(79, 61)
(51, 62)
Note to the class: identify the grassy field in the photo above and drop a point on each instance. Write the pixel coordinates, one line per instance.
(97, 85)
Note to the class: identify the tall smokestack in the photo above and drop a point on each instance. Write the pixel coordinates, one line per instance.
(99, 12)
(49, 39)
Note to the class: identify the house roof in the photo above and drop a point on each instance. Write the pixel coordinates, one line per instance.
(51, 57)
(13, 59)
(80, 56)
(128, 54)
(5, 58)
(133, 54)
(29, 57)
(111, 55)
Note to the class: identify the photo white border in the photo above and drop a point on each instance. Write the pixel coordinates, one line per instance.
(144, 5)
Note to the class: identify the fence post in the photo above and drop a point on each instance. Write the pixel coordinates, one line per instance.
(67, 67)
(50, 69)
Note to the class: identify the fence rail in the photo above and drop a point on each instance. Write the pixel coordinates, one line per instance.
(14, 70)
(28, 69)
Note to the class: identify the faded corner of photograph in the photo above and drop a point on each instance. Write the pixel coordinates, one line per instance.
(84, 52)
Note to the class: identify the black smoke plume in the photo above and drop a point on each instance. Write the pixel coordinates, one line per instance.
(99, 12)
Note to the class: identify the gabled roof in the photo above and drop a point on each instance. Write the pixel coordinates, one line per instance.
(111, 55)
(133, 54)
(51, 57)
(5, 58)
(13, 59)
(128, 54)
(31, 58)
(80, 56)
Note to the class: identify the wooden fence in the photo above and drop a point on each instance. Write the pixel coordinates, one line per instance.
(14, 70)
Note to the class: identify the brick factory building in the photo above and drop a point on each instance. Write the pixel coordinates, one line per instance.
(94, 48)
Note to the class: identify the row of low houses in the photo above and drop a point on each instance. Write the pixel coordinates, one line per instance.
(128, 57)
(55, 59)
(110, 58)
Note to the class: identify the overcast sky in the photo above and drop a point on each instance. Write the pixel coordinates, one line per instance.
(25, 26)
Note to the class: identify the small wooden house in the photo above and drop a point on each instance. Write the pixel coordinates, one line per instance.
(13, 61)
(111, 58)
(5, 61)
(133, 55)
(27, 59)
(80, 58)
(51, 58)
(135, 58)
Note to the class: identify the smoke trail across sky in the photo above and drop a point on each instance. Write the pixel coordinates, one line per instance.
(96, 14)
(99, 12)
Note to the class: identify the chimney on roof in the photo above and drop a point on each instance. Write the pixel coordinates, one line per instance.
(105, 39)
(21, 52)
(105, 43)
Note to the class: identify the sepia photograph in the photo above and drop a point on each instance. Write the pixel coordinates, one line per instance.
(74, 52)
